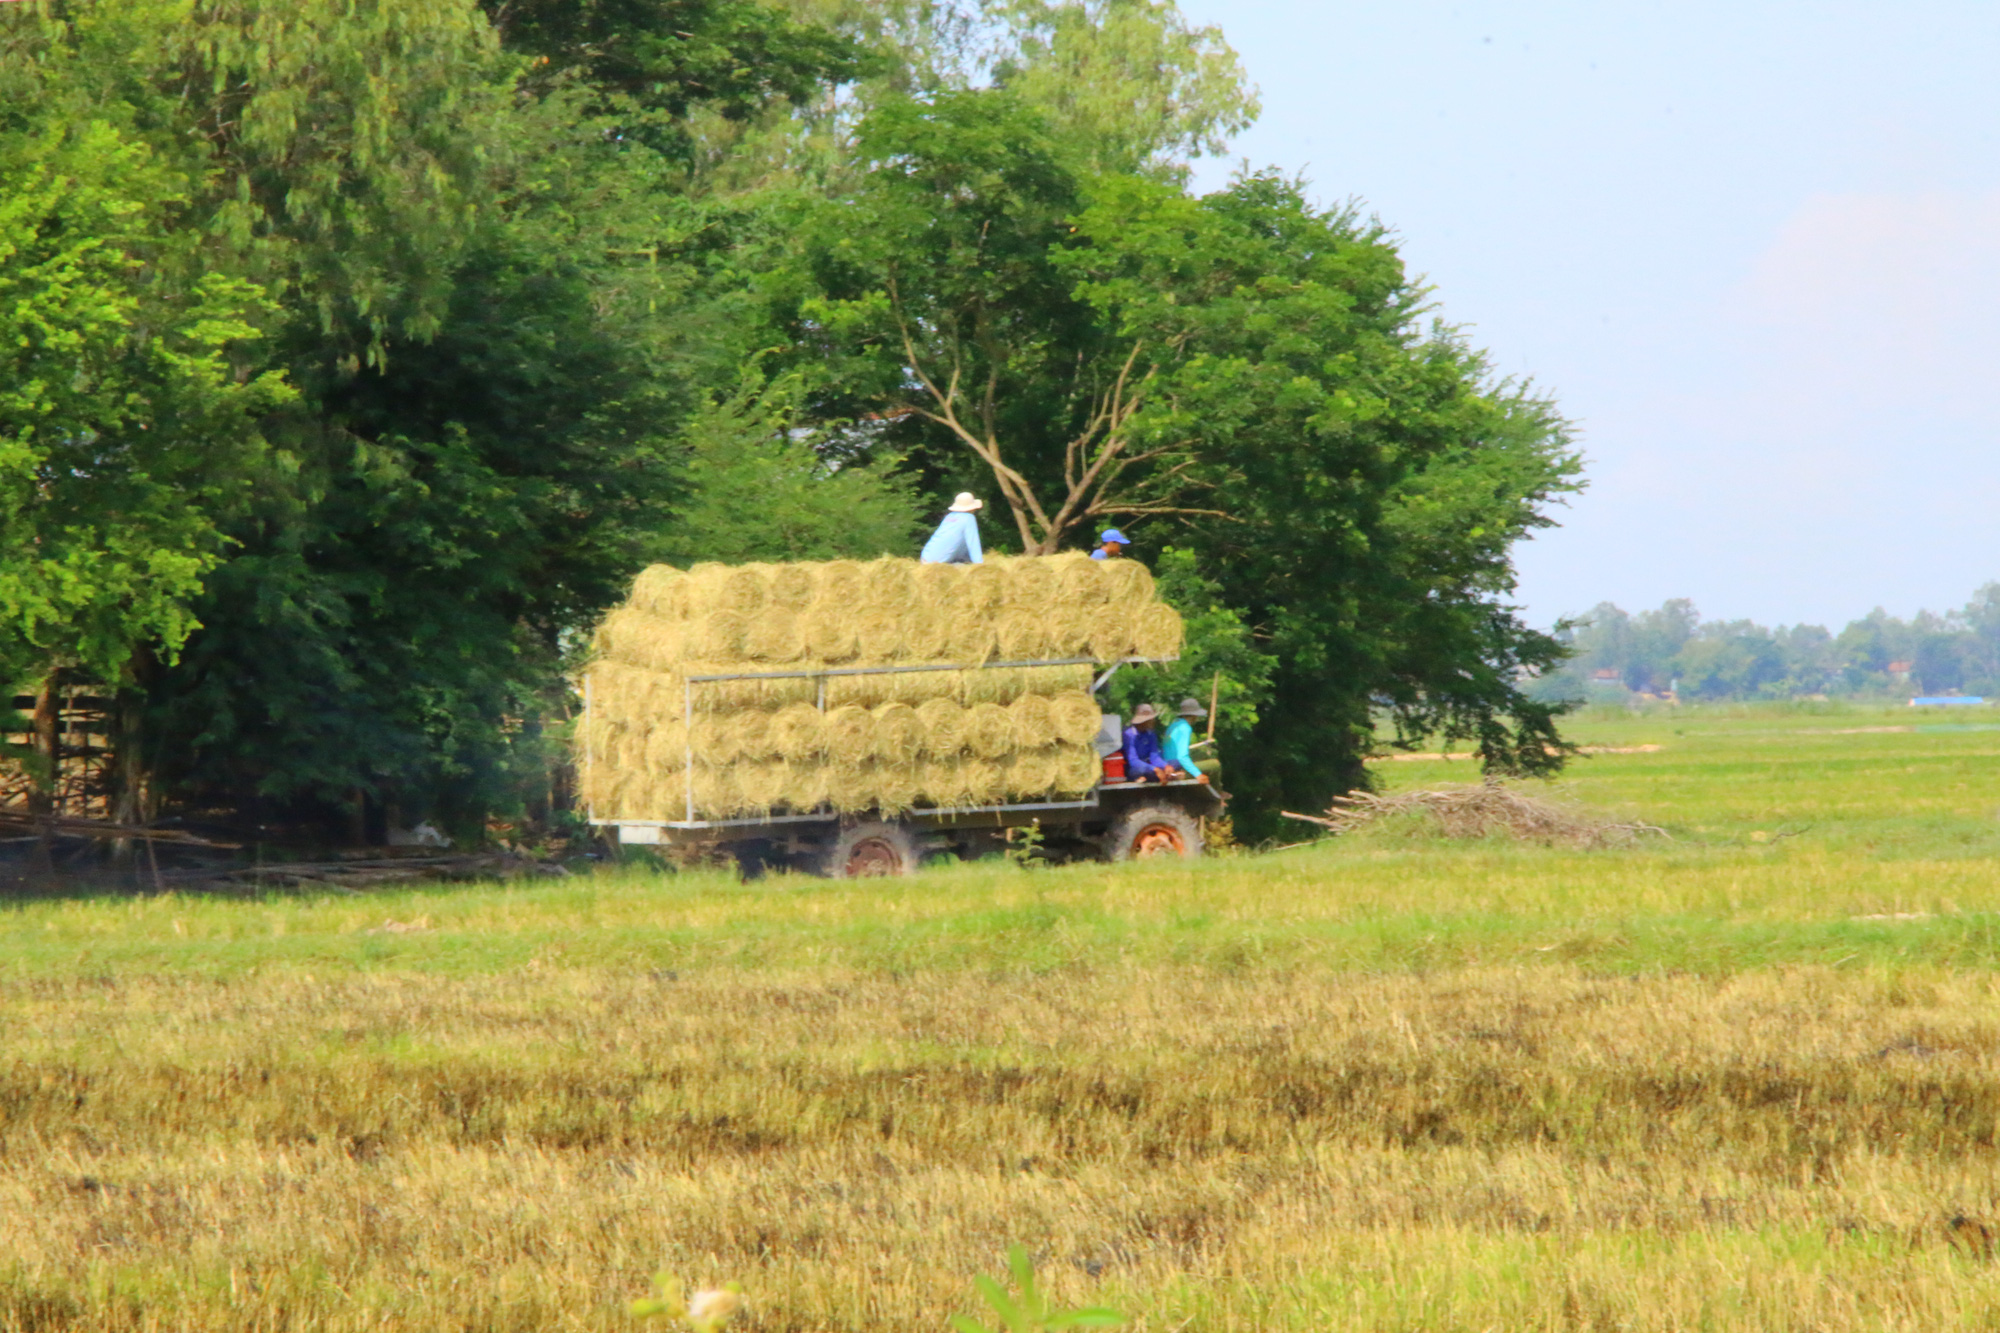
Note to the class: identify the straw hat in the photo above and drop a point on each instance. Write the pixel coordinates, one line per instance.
(1144, 713)
(965, 503)
(1191, 708)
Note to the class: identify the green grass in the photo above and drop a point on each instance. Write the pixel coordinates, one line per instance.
(1747, 1078)
(1857, 824)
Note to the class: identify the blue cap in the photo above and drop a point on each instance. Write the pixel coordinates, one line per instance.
(1114, 535)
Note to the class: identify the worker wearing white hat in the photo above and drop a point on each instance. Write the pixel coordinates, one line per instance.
(956, 541)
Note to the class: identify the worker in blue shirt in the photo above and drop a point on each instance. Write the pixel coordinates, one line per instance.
(956, 541)
(1110, 545)
(1179, 745)
(1143, 760)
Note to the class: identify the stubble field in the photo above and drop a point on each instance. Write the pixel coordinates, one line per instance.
(1745, 1079)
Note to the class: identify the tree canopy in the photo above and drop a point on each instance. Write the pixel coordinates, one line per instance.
(359, 354)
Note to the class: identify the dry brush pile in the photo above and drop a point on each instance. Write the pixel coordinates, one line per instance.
(1483, 810)
(960, 734)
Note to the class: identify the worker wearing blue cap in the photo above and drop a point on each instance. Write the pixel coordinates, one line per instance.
(1110, 545)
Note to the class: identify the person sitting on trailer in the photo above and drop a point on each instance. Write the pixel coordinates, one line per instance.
(1179, 745)
(956, 541)
(1143, 760)
(1110, 545)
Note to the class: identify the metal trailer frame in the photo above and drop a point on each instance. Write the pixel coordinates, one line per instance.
(654, 832)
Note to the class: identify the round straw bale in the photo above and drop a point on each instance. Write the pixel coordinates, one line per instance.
(805, 787)
(830, 632)
(982, 781)
(1033, 723)
(837, 583)
(716, 635)
(982, 588)
(737, 588)
(637, 638)
(926, 636)
(1078, 581)
(1156, 631)
(1131, 582)
(899, 734)
(761, 786)
(916, 687)
(970, 636)
(943, 723)
(849, 736)
(660, 590)
(895, 787)
(888, 586)
(849, 790)
(989, 732)
(718, 739)
(1022, 634)
(1111, 634)
(792, 587)
(938, 783)
(774, 636)
(1078, 769)
(667, 746)
(1032, 773)
(1028, 583)
(753, 735)
(881, 637)
(939, 587)
(715, 793)
(1075, 717)
(1066, 628)
(798, 733)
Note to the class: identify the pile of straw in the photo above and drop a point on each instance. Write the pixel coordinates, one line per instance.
(962, 735)
(1489, 809)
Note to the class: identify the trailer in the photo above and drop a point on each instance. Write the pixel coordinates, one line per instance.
(1115, 820)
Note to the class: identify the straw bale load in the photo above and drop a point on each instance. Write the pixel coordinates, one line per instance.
(963, 732)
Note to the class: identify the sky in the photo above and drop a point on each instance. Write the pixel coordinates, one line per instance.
(1751, 249)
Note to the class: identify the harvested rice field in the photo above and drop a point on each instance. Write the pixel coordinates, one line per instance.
(1742, 1076)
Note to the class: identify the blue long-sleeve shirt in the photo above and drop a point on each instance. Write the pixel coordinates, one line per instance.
(1142, 753)
(956, 542)
(1179, 747)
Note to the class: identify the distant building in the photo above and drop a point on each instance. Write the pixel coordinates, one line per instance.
(1901, 670)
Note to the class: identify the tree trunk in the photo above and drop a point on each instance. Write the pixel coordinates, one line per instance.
(43, 796)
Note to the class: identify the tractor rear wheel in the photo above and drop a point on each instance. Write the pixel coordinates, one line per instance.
(1156, 828)
(873, 848)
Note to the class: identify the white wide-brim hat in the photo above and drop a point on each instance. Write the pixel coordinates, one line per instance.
(965, 503)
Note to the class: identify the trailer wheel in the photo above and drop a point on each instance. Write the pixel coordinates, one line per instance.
(876, 847)
(1156, 828)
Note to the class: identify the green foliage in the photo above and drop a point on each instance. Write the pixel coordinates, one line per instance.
(125, 428)
(762, 488)
(1027, 1310)
(1219, 656)
(1129, 79)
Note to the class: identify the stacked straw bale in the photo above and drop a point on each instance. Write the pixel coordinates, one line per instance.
(962, 735)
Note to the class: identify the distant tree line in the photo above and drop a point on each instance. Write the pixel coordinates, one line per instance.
(1674, 650)
(354, 355)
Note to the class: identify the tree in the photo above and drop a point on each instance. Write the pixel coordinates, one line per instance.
(760, 488)
(1130, 80)
(1246, 374)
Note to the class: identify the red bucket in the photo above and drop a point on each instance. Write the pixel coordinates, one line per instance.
(1114, 767)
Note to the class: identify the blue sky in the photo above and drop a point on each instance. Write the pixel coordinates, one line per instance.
(1752, 249)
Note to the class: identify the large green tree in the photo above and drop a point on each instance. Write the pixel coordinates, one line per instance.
(1244, 376)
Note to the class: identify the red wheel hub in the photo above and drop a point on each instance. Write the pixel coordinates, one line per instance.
(1157, 840)
(873, 856)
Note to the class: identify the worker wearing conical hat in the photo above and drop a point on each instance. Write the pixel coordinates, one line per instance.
(1143, 760)
(956, 541)
(1179, 744)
